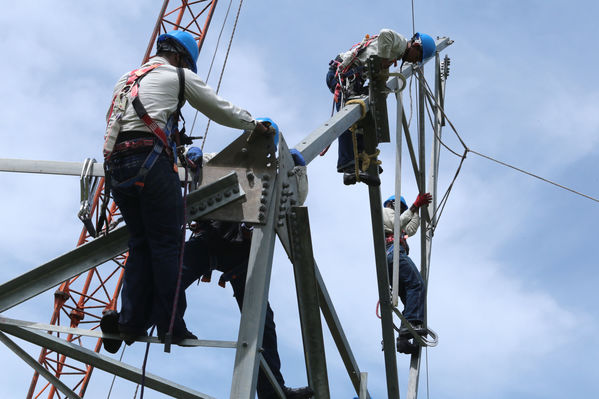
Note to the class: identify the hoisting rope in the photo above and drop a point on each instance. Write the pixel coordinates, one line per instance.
(114, 376)
(143, 367)
(169, 335)
(223, 69)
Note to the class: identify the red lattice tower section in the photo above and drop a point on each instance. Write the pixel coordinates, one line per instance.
(80, 301)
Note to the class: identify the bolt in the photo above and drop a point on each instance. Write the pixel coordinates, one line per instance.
(292, 201)
(262, 208)
(210, 201)
(290, 173)
(281, 224)
(219, 197)
(264, 192)
(236, 189)
(202, 206)
(263, 200)
(228, 193)
(285, 185)
(265, 184)
(244, 150)
(283, 200)
(261, 216)
(282, 208)
(250, 175)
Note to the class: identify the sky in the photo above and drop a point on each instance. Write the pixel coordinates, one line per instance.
(514, 259)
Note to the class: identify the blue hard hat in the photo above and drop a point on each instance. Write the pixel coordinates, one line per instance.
(392, 198)
(186, 40)
(428, 45)
(270, 122)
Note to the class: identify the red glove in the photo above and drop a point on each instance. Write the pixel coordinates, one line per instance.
(423, 199)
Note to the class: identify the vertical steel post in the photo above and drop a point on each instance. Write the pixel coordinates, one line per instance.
(251, 327)
(378, 234)
(308, 304)
(396, 224)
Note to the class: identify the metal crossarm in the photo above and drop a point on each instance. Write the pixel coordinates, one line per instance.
(104, 363)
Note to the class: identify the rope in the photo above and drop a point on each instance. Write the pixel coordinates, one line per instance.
(169, 335)
(114, 377)
(220, 79)
(467, 149)
(143, 368)
(212, 61)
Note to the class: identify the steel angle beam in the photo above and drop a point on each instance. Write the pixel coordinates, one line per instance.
(336, 329)
(105, 363)
(306, 288)
(324, 135)
(377, 92)
(330, 315)
(271, 378)
(5, 321)
(48, 167)
(62, 268)
(251, 326)
(255, 163)
(93, 253)
(213, 196)
(51, 378)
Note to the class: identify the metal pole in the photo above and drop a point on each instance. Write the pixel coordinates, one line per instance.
(306, 286)
(396, 223)
(253, 314)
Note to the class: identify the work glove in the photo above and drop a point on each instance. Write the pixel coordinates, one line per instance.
(265, 126)
(298, 159)
(423, 199)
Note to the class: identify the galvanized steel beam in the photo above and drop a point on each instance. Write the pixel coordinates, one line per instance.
(105, 363)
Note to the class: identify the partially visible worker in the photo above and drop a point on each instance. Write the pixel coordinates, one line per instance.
(225, 246)
(140, 153)
(347, 75)
(412, 290)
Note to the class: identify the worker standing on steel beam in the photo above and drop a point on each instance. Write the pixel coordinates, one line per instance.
(412, 289)
(140, 150)
(347, 75)
(225, 246)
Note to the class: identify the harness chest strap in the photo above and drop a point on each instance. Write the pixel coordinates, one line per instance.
(119, 105)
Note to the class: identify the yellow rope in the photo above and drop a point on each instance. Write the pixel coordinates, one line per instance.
(358, 101)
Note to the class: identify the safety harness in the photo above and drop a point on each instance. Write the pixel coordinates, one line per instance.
(166, 139)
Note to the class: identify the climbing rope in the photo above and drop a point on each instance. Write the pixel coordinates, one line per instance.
(114, 376)
(223, 68)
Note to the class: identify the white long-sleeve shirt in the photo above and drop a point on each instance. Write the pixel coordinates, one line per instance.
(408, 221)
(159, 94)
(388, 44)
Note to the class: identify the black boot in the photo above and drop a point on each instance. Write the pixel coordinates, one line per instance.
(405, 346)
(109, 324)
(349, 177)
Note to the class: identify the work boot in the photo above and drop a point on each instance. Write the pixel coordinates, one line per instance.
(177, 337)
(405, 346)
(109, 324)
(130, 336)
(349, 178)
(298, 393)
(417, 327)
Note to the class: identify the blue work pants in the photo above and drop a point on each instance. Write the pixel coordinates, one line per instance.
(154, 216)
(233, 258)
(411, 285)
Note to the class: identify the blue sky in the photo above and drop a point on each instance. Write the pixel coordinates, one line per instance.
(513, 272)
